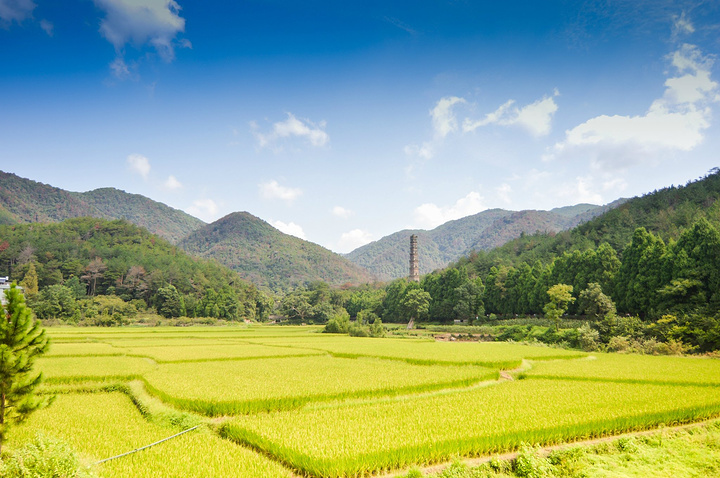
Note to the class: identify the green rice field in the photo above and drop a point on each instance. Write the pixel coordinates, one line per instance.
(273, 401)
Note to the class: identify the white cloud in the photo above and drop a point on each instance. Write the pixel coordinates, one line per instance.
(172, 183)
(135, 22)
(674, 122)
(342, 212)
(139, 164)
(443, 117)
(273, 190)
(536, 117)
(429, 215)
(292, 127)
(47, 27)
(351, 240)
(290, 228)
(205, 209)
(16, 10)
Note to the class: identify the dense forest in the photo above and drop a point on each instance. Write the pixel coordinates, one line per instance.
(89, 270)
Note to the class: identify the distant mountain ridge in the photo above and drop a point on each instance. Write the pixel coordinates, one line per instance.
(268, 257)
(24, 201)
(387, 258)
(240, 241)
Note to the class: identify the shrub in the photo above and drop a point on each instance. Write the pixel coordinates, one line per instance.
(339, 324)
(377, 329)
(529, 463)
(618, 344)
(588, 338)
(43, 457)
(358, 330)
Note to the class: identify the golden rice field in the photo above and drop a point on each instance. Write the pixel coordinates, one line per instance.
(290, 401)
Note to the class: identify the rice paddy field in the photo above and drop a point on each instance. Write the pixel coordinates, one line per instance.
(272, 401)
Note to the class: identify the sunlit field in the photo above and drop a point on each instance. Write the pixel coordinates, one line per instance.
(282, 401)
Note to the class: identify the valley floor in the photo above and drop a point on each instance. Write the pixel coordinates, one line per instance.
(289, 401)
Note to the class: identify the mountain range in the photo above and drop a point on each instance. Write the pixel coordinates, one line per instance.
(387, 258)
(270, 258)
(240, 241)
(25, 201)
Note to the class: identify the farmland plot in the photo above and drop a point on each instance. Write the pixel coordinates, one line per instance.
(633, 369)
(332, 405)
(345, 441)
(224, 387)
(102, 425)
(489, 354)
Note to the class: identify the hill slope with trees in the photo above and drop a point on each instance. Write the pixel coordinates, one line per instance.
(26, 201)
(267, 257)
(121, 264)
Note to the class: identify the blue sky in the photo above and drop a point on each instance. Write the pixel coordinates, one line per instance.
(342, 122)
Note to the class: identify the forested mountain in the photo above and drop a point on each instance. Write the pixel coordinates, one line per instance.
(268, 257)
(25, 201)
(93, 257)
(388, 257)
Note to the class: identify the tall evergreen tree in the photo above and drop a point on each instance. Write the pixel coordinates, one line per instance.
(22, 340)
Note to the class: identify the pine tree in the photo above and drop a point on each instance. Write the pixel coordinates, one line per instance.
(22, 340)
(30, 283)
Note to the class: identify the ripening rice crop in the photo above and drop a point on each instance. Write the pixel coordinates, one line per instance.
(229, 387)
(102, 425)
(57, 369)
(634, 369)
(81, 348)
(351, 440)
(231, 331)
(491, 354)
(215, 351)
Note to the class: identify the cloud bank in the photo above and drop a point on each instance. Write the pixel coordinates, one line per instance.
(675, 122)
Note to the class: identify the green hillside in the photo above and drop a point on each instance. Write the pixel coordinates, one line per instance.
(666, 213)
(267, 257)
(388, 257)
(25, 201)
(116, 258)
(156, 217)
